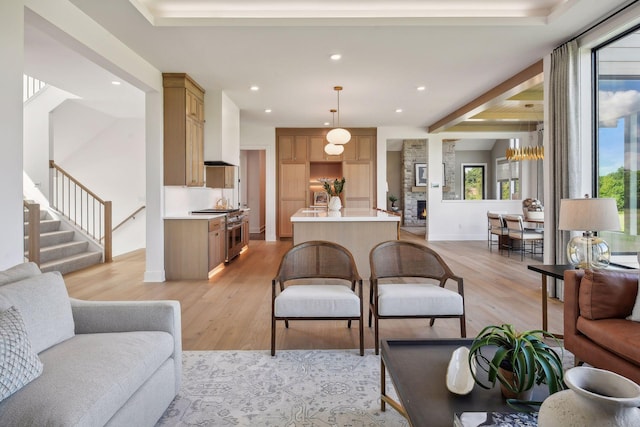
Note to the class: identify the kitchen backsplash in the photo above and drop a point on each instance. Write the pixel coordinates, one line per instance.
(180, 200)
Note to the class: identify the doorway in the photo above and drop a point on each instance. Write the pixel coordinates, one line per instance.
(252, 190)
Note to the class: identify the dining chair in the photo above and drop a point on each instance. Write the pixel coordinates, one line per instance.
(317, 280)
(521, 235)
(497, 228)
(408, 281)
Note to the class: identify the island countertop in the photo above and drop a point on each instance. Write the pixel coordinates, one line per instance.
(343, 215)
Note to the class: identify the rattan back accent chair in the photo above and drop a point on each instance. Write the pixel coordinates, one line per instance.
(402, 285)
(317, 280)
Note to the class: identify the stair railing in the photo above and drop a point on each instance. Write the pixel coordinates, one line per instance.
(33, 221)
(131, 216)
(82, 207)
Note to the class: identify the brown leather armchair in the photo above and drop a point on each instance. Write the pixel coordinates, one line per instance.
(596, 330)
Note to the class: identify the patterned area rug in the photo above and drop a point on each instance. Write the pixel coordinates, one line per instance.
(310, 388)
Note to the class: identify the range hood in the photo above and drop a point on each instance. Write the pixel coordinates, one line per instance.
(217, 163)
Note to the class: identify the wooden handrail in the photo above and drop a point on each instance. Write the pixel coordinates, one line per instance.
(78, 204)
(53, 165)
(129, 217)
(34, 231)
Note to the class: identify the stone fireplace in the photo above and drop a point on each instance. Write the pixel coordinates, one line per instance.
(413, 151)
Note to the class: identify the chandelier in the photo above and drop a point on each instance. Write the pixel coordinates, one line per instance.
(333, 149)
(531, 152)
(338, 135)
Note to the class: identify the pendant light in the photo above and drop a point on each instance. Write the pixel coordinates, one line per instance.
(338, 136)
(333, 149)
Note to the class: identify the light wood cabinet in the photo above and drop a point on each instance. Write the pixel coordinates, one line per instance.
(317, 153)
(220, 176)
(292, 188)
(361, 147)
(183, 131)
(245, 231)
(193, 247)
(293, 148)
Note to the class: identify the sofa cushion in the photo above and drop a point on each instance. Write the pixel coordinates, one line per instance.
(44, 304)
(19, 364)
(19, 272)
(607, 294)
(87, 379)
(619, 336)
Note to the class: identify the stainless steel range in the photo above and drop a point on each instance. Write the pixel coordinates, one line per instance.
(233, 230)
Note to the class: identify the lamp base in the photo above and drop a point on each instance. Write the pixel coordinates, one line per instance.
(588, 251)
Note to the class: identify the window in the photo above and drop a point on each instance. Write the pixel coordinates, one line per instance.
(617, 159)
(473, 183)
(507, 179)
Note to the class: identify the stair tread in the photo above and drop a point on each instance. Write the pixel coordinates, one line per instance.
(59, 264)
(62, 245)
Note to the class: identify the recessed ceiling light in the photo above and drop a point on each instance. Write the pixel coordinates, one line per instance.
(268, 110)
(421, 88)
(335, 57)
(327, 123)
(398, 110)
(116, 83)
(254, 88)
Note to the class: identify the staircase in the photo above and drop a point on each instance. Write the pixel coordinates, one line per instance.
(58, 249)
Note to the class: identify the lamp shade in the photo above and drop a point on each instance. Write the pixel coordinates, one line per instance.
(333, 150)
(338, 136)
(589, 215)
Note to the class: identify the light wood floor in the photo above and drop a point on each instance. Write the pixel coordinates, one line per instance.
(233, 309)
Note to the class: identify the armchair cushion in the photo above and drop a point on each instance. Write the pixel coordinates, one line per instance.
(418, 299)
(19, 272)
(619, 336)
(19, 364)
(43, 302)
(317, 301)
(607, 294)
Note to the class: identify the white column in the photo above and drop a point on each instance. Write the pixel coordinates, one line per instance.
(12, 54)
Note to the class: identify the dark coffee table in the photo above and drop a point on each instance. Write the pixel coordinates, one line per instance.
(418, 369)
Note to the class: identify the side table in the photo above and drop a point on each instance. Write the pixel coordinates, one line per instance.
(549, 270)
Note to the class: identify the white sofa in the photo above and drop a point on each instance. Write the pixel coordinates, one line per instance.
(103, 363)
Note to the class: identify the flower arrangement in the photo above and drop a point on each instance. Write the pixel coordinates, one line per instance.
(338, 186)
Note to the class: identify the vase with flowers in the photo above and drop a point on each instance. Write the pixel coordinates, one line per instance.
(334, 189)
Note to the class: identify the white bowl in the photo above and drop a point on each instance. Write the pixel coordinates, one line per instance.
(459, 378)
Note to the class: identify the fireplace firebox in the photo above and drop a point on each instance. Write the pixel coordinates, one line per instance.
(422, 209)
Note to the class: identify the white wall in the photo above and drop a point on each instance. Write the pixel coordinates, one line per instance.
(36, 138)
(12, 54)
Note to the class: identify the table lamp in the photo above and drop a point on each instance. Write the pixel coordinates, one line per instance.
(588, 215)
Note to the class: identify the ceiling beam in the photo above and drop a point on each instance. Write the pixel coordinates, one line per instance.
(525, 79)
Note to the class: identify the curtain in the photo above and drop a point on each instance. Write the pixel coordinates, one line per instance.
(565, 147)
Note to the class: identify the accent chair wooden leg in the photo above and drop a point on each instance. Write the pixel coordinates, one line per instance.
(273, 336)
(463, 327)
(376, 334)
(432, 321)
(361, 337)
(349, 324)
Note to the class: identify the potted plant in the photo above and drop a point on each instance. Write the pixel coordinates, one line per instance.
(334, 193)
(521, 359)
(393, 199)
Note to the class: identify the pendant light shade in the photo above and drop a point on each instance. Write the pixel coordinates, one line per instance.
(338, 135)
(333, 149)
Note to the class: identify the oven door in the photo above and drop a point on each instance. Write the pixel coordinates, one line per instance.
(234, 239)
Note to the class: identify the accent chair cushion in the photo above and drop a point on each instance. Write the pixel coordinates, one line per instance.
(19, 272)
(607, 294)
(317, 301)
(19, 364)
(418, 299)
(44, 304)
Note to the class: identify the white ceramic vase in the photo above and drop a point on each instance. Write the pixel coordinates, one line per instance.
(335, 204)
(595, 398)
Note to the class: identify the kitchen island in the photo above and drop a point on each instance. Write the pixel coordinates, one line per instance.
(358, 230)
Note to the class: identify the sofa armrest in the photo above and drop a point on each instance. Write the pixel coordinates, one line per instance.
(572, 279)
(130, 316)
